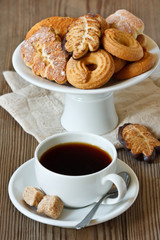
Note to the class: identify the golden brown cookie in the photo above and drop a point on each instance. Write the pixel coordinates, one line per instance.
(141, 38)
(91, 71)
(102, 21)
(119, 64)
(122, 45)
(126, 21)
(43, 53)
(139, 141)
(59, 24)
(136, 68)
(83, 35)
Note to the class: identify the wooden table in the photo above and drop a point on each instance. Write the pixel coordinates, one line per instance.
(142, 220)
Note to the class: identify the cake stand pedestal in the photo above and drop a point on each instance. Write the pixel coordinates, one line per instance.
(89, 113)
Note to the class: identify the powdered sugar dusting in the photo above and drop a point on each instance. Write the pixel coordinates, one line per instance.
(126, 21)
(43, 53)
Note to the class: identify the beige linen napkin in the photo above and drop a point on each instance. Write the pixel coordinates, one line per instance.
(39, 111)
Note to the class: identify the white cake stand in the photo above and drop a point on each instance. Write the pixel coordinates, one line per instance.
(86, 110)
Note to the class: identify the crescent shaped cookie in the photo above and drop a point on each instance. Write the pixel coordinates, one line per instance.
(122, 45)
(43, 53)
(142, 41)
(119, 63)
(91, 71)
(59, 24)
(136, 68)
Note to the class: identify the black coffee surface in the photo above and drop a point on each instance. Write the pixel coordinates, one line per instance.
(75, 159)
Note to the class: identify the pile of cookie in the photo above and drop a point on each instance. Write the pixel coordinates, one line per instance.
(88, 51)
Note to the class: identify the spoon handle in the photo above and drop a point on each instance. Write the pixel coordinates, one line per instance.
(112, 194)
(89, 216)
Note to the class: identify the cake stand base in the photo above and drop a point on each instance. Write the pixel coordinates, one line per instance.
(89, 113)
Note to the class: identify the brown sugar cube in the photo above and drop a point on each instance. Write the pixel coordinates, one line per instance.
(51, 206)
(32, 196)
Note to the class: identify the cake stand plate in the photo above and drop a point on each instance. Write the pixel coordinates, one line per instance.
(86, 110)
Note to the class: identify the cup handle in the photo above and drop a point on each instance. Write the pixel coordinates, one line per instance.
(120, 185)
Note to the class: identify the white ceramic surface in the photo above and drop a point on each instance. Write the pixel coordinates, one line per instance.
(86, 110)
(25, 176)
(90, 113)
(79, 191)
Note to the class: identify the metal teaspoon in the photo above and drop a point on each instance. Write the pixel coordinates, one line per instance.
(113, 193)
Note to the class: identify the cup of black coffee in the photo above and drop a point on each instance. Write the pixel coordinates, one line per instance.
(78, 167)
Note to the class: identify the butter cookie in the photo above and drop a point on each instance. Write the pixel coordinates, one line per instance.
(102, 21)
(126, 21)
(143, 41)
(83, 35)
(139, 140)
(91, 71)
(136, 68)
(119, 63)
(59, 24)
(122, 45)
(43, 53)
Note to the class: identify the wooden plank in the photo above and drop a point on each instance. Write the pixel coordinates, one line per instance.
(142, 220)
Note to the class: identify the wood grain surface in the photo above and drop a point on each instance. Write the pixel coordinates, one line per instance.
(142, 220)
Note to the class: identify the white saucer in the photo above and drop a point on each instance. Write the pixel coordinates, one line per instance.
(24, 176)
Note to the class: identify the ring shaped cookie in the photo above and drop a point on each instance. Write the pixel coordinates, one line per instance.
(122, 45)
(136, 68)
(91, 71)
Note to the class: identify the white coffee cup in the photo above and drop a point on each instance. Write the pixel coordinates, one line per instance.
(79, 191)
